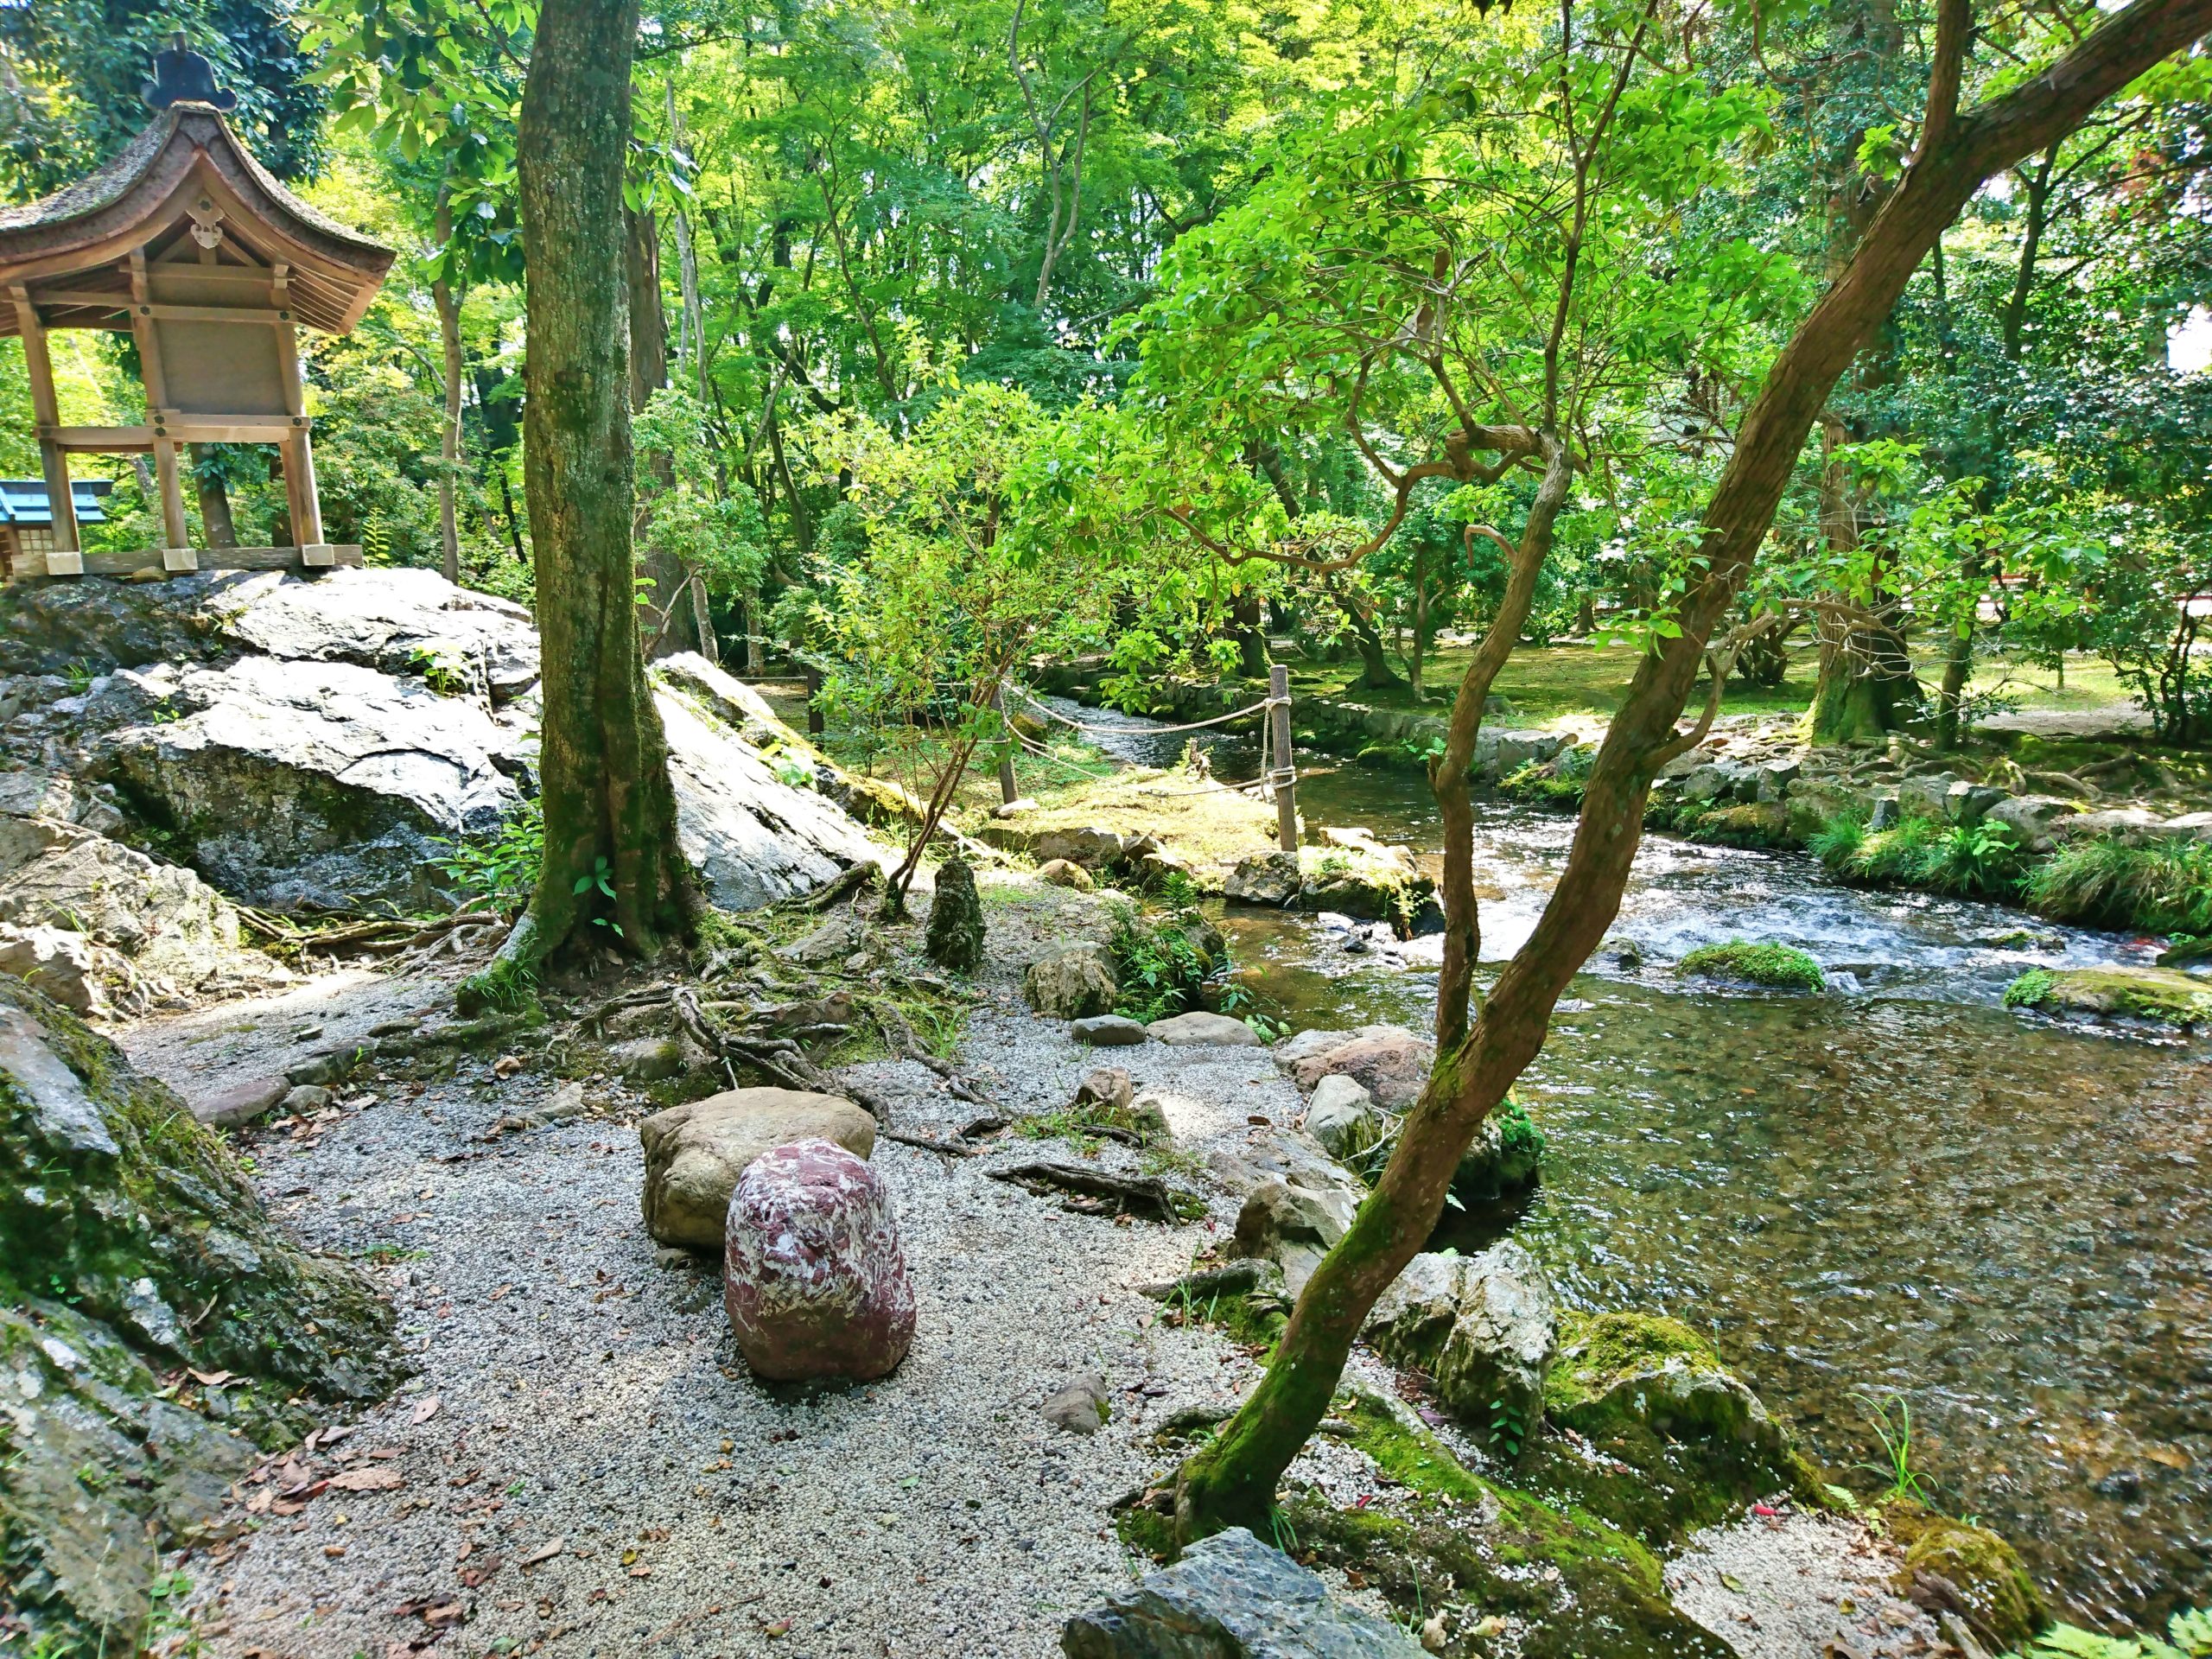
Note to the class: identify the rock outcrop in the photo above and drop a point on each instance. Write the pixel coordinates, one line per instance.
(813, 1278)
(695, 1153)
(311, 743)
(1075, 981)
(1388, 1061)
(1232, 1597)
(131, 1246)
(955, 930)
(1484, 1328)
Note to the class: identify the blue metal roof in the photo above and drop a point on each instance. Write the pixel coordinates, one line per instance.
(23, 501)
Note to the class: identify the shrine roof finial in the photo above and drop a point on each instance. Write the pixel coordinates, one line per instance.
(182, 76)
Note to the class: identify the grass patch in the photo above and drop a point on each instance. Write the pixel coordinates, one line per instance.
(2161, 886)
(2165, 996)
(1778, 966)
(1981, 861)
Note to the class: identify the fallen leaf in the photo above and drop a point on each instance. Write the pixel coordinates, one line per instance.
(424, 1410)
(781, 1627)
(1733, 1582)
(543, 1553)
(450, 1612)
(368, 1479)
(212, 1379)
(333, 1550)
(641, 1571)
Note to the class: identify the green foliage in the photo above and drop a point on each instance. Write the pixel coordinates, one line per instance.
(2030, 989)
(1982, 861)
(1165, 964)
(1891, 1423)
(2161, 886)
(1778, 967)
(504, 868)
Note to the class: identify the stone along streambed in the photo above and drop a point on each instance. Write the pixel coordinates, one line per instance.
(1894, 1194)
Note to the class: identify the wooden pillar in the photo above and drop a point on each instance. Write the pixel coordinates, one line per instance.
(307, 505)
(168, 478)
(1009, 790)
(1285, 774)
(54, 462)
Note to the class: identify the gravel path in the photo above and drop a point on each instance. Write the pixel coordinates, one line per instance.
(583, 1466)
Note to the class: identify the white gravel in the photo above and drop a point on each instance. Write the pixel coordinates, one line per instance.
(1787, 1586)
(572, 1392)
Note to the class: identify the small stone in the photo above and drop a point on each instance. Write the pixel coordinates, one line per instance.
(307, 1097)
(1064, 873)
(814, 1281)
(1969, 804)
(327, 1067)
(1105, 1090)
(648, 1059)
(955, 939)
(1107, 1031)
(1389, 1061)
(239, 1103)
(1293, 1226)
(1267, 879)
(1484, 1328)
(1191, 1029)
(1886, 813)
(1148, 1117)
(1080, 1405)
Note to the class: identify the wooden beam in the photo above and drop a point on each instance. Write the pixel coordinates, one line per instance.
(228, 428)
(227, 558)
(60, 502)
(100, 440)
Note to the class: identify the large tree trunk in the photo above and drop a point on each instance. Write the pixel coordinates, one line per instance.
(1867, 688)
(1232, 1481)
(1251, 636)
(610, 810)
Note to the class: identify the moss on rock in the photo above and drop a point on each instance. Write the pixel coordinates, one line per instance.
(2006, 1609)
(133, 1246)
(1580, 1587)
(1680, 1442)
(2165, 996)
(1777, 967)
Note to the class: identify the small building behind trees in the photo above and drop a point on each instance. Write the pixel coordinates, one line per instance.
(187, 244)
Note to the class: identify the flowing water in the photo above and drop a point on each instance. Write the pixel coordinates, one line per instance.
(1894, 1195)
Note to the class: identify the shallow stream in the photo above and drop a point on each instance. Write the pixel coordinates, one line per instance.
(1892, 1196)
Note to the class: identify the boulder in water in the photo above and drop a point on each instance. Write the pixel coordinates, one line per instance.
(1389, 1061)
(813, 1278)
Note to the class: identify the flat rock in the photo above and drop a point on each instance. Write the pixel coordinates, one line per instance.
(1232, 1597)
(1064, 873)
(240, 1103)
(695, 1153)
(1389, 1061)
(1107, 1031)
(1484, 1328)
(1220, 1029)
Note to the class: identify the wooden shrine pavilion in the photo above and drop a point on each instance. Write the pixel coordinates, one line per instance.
(187, 242)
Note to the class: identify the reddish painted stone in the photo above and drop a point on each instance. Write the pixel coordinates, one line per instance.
(813, 1278)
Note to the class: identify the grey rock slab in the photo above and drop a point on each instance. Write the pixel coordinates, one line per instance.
(1075, 982)
(1216, 1028)
(695, 1153)
(1484, 1327)
(1107, 1031)
(398, 622)
(240, 1103)
(1232, 1597)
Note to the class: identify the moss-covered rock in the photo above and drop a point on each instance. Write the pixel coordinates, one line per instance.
(2165, 996)
(1681, 1441)
(1775, 967)
(131, 1248)
(1973, 1565)
(1577, 1586)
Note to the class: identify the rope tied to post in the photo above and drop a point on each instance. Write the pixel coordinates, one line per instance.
(1049, 713)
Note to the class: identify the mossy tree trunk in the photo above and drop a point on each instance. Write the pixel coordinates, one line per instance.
(611, 851)
(1232, 1481)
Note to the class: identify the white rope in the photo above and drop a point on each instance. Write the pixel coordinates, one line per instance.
(1155, 731)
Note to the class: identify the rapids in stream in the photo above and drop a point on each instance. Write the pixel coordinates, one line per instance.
(1895, 1195)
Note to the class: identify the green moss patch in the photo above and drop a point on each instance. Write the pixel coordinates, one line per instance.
(2163, 996)
(1675, 1441)
(1463, 1541)
(2007, 1608)
(1775, 967)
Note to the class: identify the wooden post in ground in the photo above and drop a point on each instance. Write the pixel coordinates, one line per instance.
(65, 560)
(1009, 791)
(1285, 775)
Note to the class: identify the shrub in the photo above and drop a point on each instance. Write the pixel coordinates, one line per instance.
(1164, 965)
(2162, 887)
(1778, 967)
(2030, 989)
(504, 868)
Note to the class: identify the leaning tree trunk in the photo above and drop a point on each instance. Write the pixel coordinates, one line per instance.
(1232, 1481)
(610, 810)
